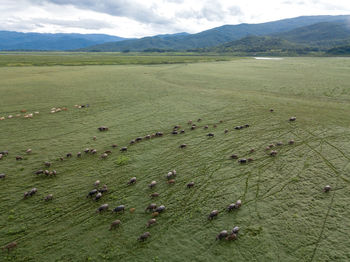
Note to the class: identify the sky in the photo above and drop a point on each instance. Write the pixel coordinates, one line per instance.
(139, 18)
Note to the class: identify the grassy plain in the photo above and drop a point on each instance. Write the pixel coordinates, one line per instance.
(90, 58)
(285, 215)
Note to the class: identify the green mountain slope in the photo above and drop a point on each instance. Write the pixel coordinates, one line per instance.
(323, 34)
(255, 44)
(215, 36)
(316, 37)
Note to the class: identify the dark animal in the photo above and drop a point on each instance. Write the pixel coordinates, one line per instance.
(222, 235)
(2, 176)
(132, 142)
(103, 128)
(151, 222)
(182, 131)
(33, 191)
(114, 145)
(174, 132)
(293, 118)
(160, 209)
(132, 181)
(242, 161)
(152, 184)
(171, 181)
(103, 189)
(115, 224)
(120, 208)
(69, 155)
(91, 193)
(235, 230)
(226, 131)
(238, 204)
(159, 134)
(234, 156)
(39, 172)
(291, 142)
(154, 195)
(30, 193)
(151, 207)
(87, 150)
(48, 197)
(10, 246)
(210, 135)
(190, 185)
(231, 207)
(19, 158)
(213, 214)
(183, 146)
(144, 236)
(98, 196)
(124, 149)
(231, 236)
(206, 127)
(138, 139)
(104, 156)
(327, 188)
(79, 154)
(48, 164)
(273, 153)
(97, 183)
(102, 208)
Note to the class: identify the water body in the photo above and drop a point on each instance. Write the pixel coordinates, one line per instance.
(268, 58)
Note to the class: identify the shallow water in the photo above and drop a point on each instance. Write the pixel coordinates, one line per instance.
(268, 58)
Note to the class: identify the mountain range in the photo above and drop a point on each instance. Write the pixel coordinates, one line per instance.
(313, 29)
(294, 35)
(35, 41)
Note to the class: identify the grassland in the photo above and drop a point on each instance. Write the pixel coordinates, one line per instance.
(17, 59)
(285, 215)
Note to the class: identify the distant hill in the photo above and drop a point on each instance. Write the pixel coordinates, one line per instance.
(302, 40)
(255, 44)
(36, 41)
(325, 34)
(340, 50)
(215, 36)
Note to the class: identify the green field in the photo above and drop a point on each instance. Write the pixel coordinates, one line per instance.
(285, 215)
(17, 59)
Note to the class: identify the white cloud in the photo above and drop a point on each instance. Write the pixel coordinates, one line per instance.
(137, 18)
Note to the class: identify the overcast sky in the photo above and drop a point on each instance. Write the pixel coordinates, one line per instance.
(138, 18)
